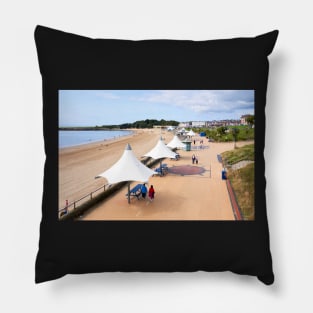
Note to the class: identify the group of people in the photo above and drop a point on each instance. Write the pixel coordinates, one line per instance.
(200, 142)
(144, 191)
(194, 159)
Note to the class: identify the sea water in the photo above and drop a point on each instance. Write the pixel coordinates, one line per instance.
(69, 138)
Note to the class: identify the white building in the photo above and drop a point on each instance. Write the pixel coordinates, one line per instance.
(243, 119)
(198, 124)
(184, 124)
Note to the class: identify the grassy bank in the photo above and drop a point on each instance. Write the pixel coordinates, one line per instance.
(242, 179)
(245, 153)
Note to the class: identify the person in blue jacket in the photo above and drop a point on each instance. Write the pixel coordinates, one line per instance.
(144, 191)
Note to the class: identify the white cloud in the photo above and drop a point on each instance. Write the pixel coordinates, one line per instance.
(203, 100)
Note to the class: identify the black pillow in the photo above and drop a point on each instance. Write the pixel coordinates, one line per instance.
(69, 245)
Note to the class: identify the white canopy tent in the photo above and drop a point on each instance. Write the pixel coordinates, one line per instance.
(175, 143)
(127, 168)
(161, 151)
(181, 131)
(191, 133)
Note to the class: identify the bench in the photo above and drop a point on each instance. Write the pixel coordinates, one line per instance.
(135, 192)
(159, 171)
(63, 212)
(177, 157)
(163, 170)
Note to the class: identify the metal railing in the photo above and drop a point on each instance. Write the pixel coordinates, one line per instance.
(72, 206)
(234, 202)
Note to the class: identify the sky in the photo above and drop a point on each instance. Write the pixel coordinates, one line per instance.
(114, 107)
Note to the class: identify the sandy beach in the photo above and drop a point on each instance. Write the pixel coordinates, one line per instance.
(202, 196)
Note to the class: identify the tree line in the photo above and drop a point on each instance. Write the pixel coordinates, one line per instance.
(148, 123)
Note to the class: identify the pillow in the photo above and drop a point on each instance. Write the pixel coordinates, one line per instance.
(155, 88)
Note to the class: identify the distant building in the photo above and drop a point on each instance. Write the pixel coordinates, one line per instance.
(243, 119)
(159, 126)
(219, 123)
(184, 124)
(198, 124)
(210, 124)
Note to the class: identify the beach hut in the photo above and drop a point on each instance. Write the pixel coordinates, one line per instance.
(127, 168)
(161, 151)
(175, 143)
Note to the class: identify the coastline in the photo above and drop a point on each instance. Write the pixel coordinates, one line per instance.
(100, 141)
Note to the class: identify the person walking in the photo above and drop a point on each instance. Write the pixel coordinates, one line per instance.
(151, 193)
(143, 191)
(193, 158)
